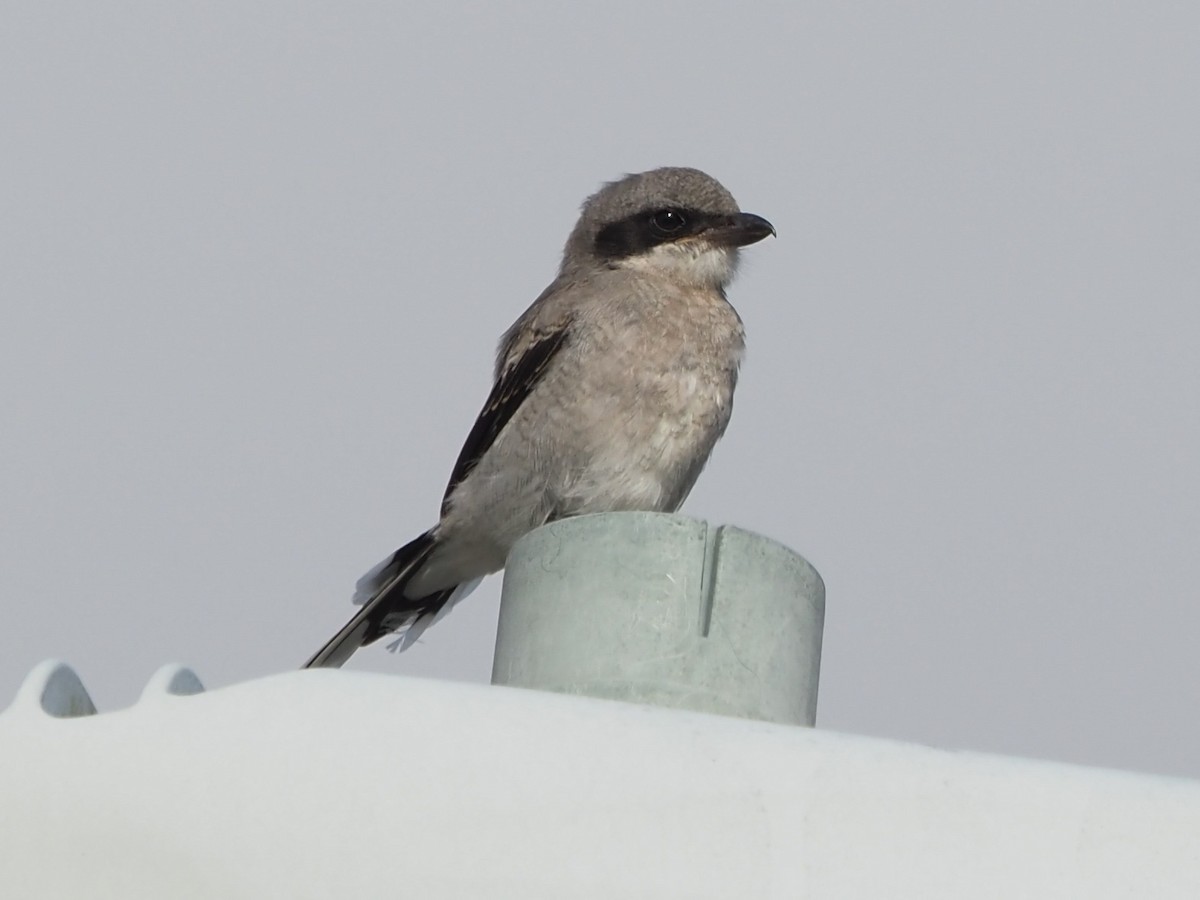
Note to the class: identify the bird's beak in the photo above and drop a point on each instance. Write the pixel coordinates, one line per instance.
(739, 230)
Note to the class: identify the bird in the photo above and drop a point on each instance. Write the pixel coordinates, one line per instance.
(609, 394)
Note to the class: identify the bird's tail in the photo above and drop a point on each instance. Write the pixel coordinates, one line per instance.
(385, 609)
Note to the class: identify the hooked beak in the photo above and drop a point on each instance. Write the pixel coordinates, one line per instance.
(739, 230)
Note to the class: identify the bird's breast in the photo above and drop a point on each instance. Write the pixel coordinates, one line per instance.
(652, 393)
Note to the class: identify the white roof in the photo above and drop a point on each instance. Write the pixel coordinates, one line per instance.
(325, 783)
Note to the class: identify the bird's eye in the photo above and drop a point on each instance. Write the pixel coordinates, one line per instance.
(668, 221)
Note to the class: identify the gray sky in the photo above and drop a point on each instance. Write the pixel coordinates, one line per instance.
(257, 256)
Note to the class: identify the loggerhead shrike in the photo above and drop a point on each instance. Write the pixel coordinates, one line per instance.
(610, 392)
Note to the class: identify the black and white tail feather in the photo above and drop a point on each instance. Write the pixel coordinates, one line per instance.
(385, 608)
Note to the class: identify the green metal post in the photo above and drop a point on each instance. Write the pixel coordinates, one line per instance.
(664, 610)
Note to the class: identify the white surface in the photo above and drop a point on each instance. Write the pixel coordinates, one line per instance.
(322, 784)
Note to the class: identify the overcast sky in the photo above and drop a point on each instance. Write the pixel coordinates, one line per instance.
(256, 258)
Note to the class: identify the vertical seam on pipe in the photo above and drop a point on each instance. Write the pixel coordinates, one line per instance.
(708, 575)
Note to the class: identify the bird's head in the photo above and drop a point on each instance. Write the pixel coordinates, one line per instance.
(674, 222)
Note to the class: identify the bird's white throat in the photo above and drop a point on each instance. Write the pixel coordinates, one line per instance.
(695, 262)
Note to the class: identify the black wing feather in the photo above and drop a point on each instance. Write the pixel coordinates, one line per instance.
(509, 392)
